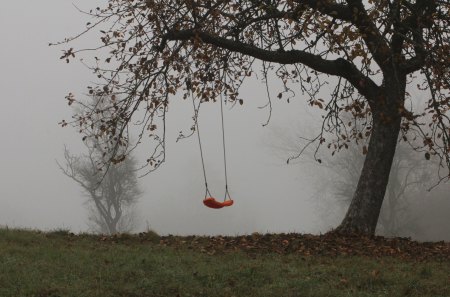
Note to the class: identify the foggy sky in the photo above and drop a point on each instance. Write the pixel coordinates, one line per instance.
(269, 195)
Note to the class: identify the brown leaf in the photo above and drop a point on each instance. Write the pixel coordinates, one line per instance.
(365, 150)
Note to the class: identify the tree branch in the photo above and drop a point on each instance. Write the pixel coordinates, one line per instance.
(370, 34)
(339, 67)
(332, 9)
(422, 12)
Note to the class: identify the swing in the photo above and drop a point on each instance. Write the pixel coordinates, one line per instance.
(209, 200)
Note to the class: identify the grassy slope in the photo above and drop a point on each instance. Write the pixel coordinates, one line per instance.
(57, 264)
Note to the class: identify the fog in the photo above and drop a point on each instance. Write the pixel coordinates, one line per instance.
(269, 195)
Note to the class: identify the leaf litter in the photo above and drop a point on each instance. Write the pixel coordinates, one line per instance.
(329, 244)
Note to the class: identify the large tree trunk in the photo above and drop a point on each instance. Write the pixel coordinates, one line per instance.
(112, 227)
(362, 215)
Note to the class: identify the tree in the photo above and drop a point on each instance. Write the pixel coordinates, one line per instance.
(375, 49)
(409, 178)
(409, 181)
(112, 195)
(113, 190)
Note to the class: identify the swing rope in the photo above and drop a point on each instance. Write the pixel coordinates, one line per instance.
(227, 194)
(210, 201)
(196, 113)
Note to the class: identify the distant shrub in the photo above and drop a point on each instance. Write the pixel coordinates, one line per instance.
(59, 232)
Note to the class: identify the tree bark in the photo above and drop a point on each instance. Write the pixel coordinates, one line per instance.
(363, 213)
(112, 227)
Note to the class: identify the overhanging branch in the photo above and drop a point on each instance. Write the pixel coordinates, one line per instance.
(338, 67)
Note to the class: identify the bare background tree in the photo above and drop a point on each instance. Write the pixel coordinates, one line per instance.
(414, 206)
(111, 195)
(410, 175)
(112, 187)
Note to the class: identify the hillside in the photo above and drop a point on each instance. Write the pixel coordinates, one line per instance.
(59, 263)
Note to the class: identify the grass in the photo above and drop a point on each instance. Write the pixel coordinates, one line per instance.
(58, 263)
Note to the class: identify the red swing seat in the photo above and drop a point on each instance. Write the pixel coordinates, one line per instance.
(211, 202)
